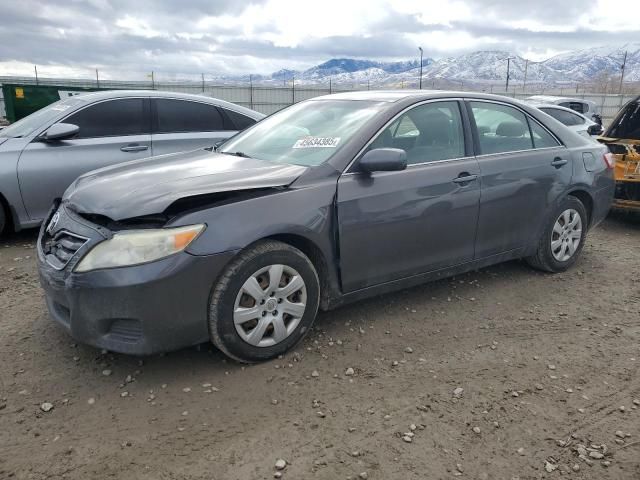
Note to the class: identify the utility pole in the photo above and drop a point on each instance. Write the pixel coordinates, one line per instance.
(508, 71)
(421, 52)
(97, 78)
(330, 89)
(153, 81)
(526, 68)
(35, 69)
(293, 89)
(202, 74)
(624, 64)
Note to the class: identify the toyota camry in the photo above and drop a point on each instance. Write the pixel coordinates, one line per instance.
(330, 200)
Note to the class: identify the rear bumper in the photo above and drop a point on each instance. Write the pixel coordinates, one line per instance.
(602, 203)
(144, 309)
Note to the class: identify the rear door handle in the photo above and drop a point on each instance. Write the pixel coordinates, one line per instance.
(465, 178)
(558, 162)
(134, 148)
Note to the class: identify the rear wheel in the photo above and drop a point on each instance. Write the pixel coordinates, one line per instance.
(3, 219)
(264, 303)
(563, 237)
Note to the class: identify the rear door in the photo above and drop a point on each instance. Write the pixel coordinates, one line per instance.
(183, 125)
(111, 131)
(397, 224)
(523, 169)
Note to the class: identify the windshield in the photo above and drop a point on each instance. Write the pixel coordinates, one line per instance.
(628, 124)
(28, 124)
(307, 133)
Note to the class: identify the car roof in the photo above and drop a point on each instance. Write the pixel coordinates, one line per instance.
(391, 96)
(553, 98)
(558, 107)
(110, 94)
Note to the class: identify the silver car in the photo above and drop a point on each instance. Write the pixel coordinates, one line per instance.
(571, 119)
(43, 153)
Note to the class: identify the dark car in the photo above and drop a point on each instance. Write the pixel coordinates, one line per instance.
(331, 200)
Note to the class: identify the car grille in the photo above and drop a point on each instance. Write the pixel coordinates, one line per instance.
(59, 249)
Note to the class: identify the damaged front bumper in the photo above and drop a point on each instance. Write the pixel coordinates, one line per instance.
(142, 309)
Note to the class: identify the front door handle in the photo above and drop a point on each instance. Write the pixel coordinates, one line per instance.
(465, 178)
(135, 148)
(559, 162)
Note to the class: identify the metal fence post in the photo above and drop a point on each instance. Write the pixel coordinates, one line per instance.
(251, 91)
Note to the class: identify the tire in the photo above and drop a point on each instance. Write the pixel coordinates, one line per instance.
(265, 331)
(3, 219)
(550, 259)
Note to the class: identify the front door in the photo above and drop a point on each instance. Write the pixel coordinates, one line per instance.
(112, 131)
(397, 224)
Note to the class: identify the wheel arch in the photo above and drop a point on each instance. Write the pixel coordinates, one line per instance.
(317, 258)
(9, 218)
(587, 200)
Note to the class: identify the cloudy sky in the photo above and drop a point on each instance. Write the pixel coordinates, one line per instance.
(178, 37)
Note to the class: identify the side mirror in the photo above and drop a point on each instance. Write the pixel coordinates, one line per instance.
(383, 160)
(594, 129)
(60, 131)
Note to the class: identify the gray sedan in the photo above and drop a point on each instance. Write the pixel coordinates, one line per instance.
(43, 153)
(331, 200)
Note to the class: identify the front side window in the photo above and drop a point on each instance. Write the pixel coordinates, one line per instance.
(111, 118)
(428, 133)
(307, 133)
(500, 128)
(181, 116)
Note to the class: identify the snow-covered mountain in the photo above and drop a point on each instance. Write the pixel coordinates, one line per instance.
(477, 67)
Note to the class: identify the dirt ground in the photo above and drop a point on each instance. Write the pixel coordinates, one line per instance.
(503, 373)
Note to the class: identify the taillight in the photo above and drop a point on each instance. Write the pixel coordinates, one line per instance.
(609, 160)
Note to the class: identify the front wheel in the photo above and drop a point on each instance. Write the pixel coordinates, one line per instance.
(563, 237)
(264, 303)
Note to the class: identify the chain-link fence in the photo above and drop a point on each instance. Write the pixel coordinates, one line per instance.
(269, 99)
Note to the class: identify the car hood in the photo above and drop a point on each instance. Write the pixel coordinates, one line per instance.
(3, 139)
(149, 186)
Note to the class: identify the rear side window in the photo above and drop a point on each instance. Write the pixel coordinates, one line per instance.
(500, 128)
(575, 106)
(180, 116)
(566, 118)
(541, 137)
(238, 121)
(112, 118)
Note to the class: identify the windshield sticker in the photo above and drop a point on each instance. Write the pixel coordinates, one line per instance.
(317, 142)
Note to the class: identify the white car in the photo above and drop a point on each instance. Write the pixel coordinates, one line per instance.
(573, 120)
(585, 107)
